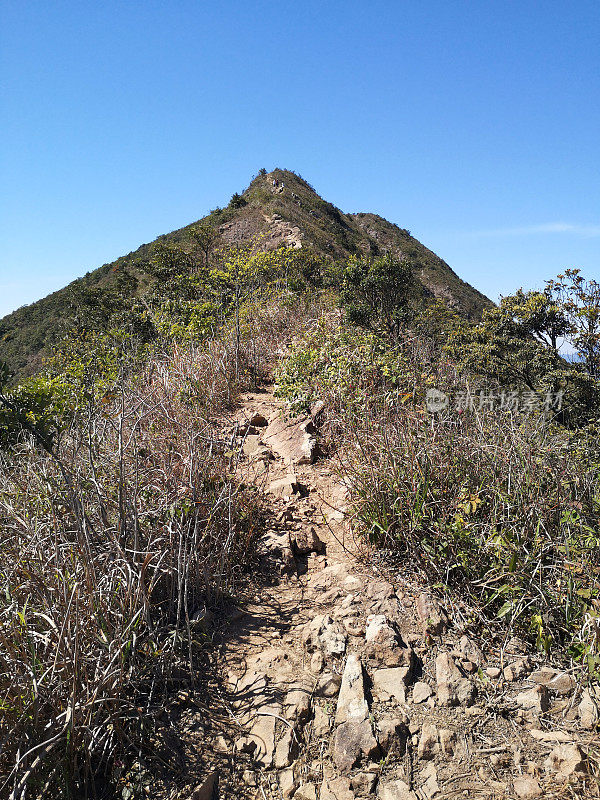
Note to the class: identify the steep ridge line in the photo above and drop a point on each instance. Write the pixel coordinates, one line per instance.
(343, 682)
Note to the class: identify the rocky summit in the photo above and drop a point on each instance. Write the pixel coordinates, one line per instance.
(278, 209)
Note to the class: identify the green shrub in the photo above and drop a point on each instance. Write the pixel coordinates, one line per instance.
(501, 507)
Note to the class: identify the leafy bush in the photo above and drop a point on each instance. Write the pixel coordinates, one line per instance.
(376, 293)
(502, 507)
(237, 201)
(340, 365)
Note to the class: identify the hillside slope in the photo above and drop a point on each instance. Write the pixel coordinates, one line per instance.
(280, 206)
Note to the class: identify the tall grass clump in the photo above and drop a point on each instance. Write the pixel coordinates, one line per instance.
(114, 540)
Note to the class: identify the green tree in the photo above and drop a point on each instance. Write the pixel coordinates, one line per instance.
(579, 301)
(376, 293)
(206, 237)
(237, 201)
(35, 408)
(515, 342)
(518, 343)
(243, 272)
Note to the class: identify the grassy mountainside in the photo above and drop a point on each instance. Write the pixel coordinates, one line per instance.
(282, 207)
(135, 513)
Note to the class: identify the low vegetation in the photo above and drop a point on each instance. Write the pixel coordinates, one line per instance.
(494, 493)
(121, 518)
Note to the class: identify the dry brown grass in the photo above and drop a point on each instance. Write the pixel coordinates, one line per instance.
(109, 551)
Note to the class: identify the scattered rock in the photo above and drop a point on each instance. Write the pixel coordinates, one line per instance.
(208, 789)
(391, 683)
(562, 683)
(262, 734)
(379, 590)
(493, 672)
(353, 741)
(352, 583)
(328, 685)
(428, 741)
(566, 760)
(306, 541)
(330, 596)
(324, 634)
(525, 786)
(247, 430)
(285, 487)
(392, 733)
(471, 651)
(321, 723)
(333, 640)
(433, 620)
(543, 675)
(383, 646)
(535, 699)
(336, 789)
(293, 441)
(377, 628)
(286, 750)
(352, 703)
(317, 662)
(308, 791)
(353, 627)
(287, 783)
(395, 790)
(452, 686)
(466, 692)
(446, 671)
(588, 711)
(297, 705)
(324, 580)
(249, 777)
(447, 741)
(363, 783)
(516, 645)
(551, 736)
(517, 670)
(421, 691)
(430, 786)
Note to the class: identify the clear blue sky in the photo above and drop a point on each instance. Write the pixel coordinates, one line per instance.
(474, 124)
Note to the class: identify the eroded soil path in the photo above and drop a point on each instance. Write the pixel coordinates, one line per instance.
(341, 681)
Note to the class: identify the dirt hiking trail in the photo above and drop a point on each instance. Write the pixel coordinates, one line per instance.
(341, 680)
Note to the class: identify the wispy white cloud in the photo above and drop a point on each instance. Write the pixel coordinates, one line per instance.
(584, 231)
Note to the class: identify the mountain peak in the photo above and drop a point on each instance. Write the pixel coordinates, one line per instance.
(281, 208)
